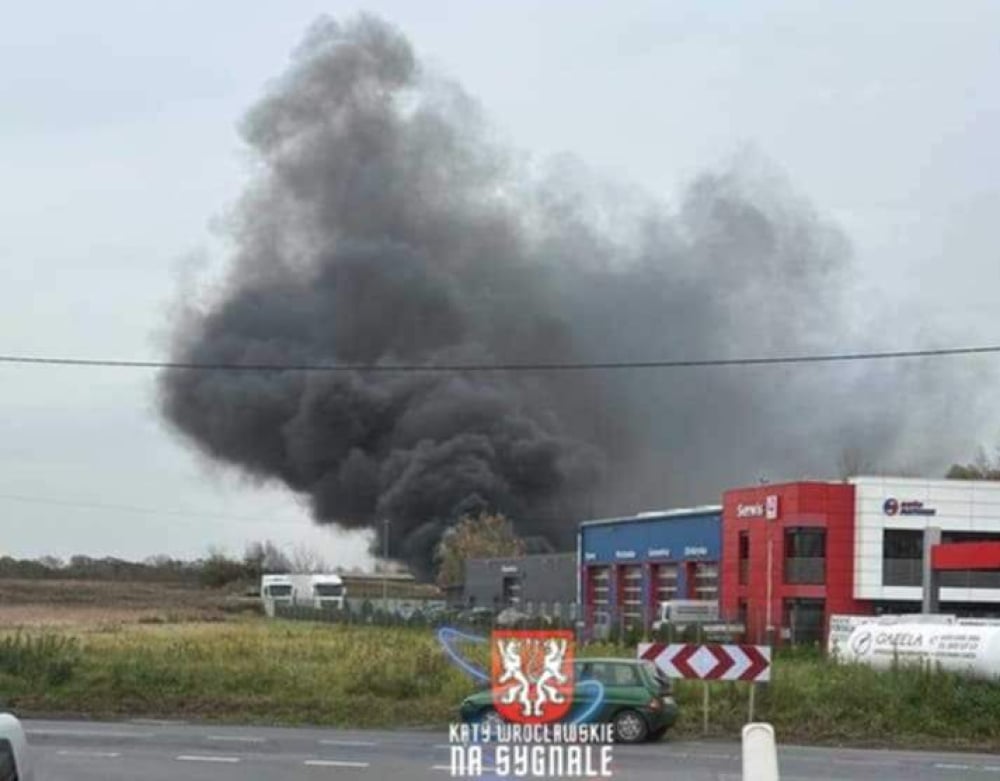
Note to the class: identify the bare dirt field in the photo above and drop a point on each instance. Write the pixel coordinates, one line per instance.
(85, 603)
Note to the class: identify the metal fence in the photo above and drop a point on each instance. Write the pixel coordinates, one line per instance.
(590, 623)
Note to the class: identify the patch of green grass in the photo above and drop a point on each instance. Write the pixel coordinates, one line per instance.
(355, 676)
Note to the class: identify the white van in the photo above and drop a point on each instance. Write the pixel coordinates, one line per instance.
(316, 591)
(681, 613)
(14, 762)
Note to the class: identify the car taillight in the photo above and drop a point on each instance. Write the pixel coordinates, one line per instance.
(655, 704)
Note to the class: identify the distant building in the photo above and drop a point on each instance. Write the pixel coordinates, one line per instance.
(630, 565)
(537, 581)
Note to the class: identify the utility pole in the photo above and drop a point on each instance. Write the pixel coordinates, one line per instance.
(385, 564)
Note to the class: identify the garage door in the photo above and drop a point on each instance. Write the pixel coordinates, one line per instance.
(631, 594)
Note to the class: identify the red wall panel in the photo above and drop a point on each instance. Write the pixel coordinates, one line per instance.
(828, 505)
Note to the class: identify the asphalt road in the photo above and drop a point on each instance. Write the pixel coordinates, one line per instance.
(162, 751)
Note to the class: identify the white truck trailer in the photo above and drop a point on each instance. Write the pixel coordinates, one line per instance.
(315, 591)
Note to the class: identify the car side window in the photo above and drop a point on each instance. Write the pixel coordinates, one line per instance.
(623, 675)
(8, 765)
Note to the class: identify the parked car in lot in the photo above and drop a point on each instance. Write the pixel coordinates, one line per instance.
(14, 762)
(638, 699)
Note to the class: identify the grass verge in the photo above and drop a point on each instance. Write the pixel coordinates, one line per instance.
(298, 673)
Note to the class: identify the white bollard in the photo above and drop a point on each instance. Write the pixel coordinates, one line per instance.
(760, 753)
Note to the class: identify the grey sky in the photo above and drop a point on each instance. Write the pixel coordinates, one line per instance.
(118, 151)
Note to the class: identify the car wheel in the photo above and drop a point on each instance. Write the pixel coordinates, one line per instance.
(490, 720)
(630, 727)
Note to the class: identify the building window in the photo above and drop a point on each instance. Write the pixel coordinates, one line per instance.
(706, 581)
(744, 557)
(664, 583)
(599, 589)
(511, 590)
(805, 555)
(630, 595)
(902, 557)
(804, 620)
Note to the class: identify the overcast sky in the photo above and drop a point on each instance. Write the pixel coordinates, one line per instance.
(118, 152)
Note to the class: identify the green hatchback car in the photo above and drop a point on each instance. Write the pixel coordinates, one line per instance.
(638, 699)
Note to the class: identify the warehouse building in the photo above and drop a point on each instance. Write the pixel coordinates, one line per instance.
(542, 583)
(797, 553)
(628, 566)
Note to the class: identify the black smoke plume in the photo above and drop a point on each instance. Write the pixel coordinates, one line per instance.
(386, 227)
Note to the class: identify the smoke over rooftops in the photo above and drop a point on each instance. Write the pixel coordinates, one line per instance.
(386, 227)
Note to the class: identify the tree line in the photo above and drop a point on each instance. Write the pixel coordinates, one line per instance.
(215, 570)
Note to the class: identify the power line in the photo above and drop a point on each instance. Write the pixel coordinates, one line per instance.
(34, 360)
(191, 515)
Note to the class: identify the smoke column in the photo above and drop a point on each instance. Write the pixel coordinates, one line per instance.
(385, 227)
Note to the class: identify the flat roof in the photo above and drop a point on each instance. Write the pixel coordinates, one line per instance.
(655, 515)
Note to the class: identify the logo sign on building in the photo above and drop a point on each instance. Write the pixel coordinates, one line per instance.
(767, 509)
(729, 662)
(695, 550)
(532, 676)
(750, 511)
(893, 506)
(624, 554)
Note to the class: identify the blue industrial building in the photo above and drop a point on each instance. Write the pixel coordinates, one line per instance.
(628, 566)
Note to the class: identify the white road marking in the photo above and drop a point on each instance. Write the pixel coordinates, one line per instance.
(78, 733)
(205, 758)
(333, 763)
(94, 754)
(235, 738)
(347, 743)
(874, 762)
(946, 766)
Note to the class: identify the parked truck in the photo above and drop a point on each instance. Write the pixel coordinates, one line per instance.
(289, 590)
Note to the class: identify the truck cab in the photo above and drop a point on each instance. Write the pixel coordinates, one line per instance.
(309, 591)
(275, 591)
(15, 764)
(327, 591)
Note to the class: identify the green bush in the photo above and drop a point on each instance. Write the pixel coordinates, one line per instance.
(50, 659)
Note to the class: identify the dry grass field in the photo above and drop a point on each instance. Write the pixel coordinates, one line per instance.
(98, 649)
(83, 604)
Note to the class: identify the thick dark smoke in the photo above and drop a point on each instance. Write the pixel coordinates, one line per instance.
(386, 228)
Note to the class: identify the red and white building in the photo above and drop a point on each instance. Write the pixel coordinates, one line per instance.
(794, 554)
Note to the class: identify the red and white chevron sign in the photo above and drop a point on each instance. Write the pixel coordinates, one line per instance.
(710, 662)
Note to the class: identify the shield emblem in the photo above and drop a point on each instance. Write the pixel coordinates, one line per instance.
(532, 675)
